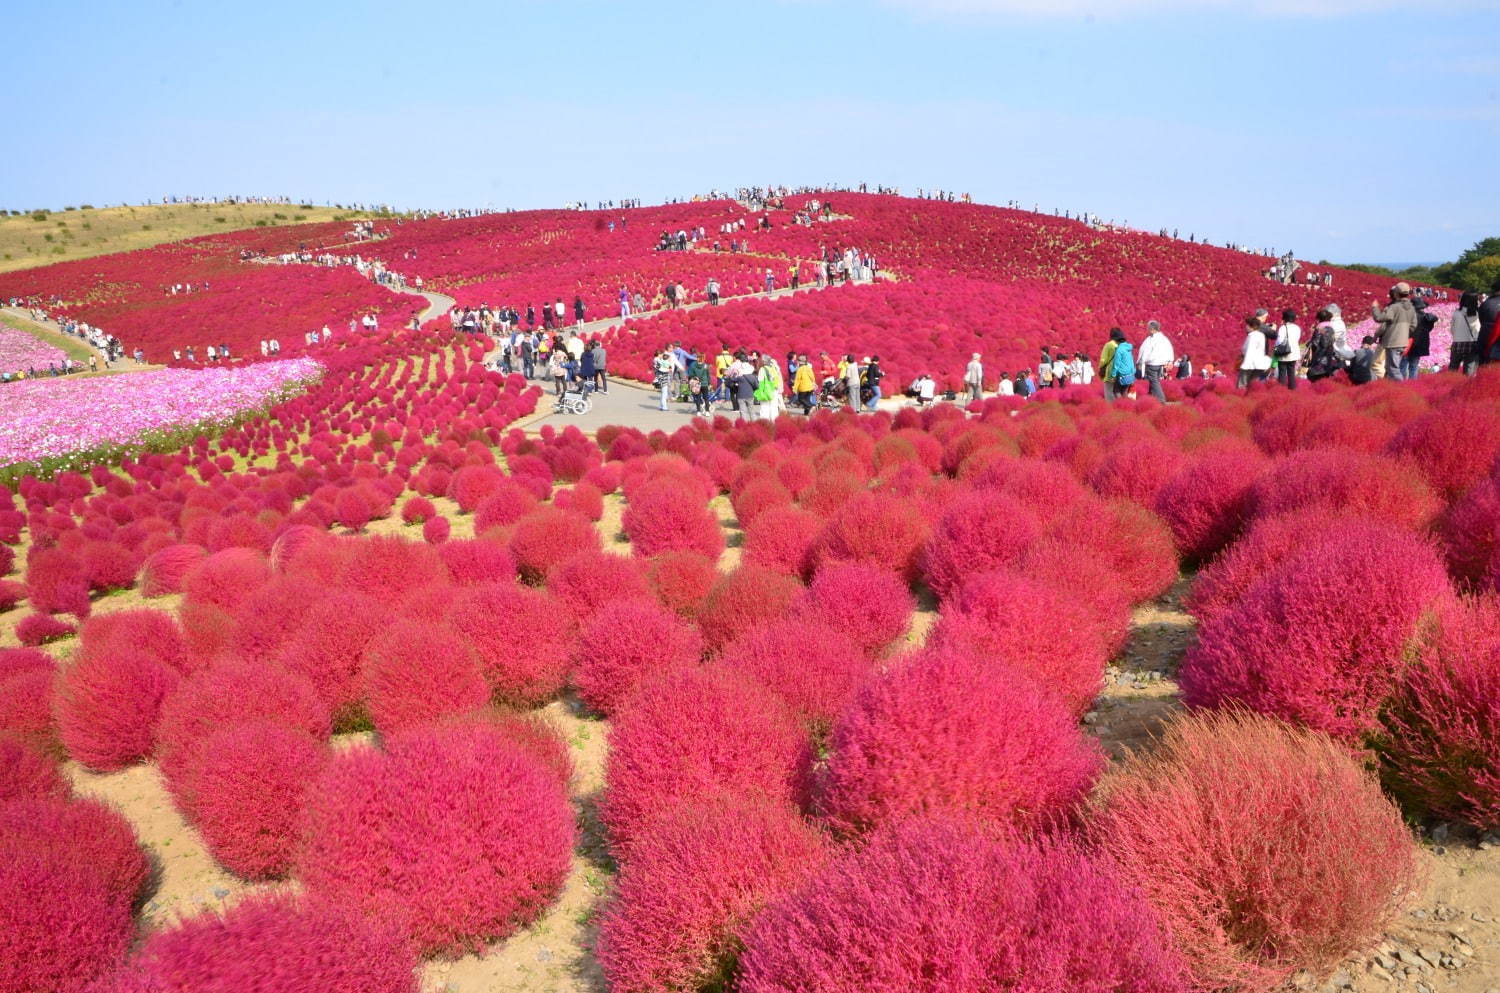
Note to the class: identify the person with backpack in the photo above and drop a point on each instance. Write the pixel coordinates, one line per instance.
(1122, 366)
(661, 369)
(1362, 366)
(699, 380)
(1255, 362)
(1420, 346)
(1324, 358)
(1106, 362)
(805, 385)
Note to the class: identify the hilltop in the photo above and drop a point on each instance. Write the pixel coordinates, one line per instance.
(41, 237)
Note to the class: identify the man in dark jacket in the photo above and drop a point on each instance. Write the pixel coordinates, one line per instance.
(1489, 318)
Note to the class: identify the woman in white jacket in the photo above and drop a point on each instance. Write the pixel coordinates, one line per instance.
(1256, 361)
(1288, 349)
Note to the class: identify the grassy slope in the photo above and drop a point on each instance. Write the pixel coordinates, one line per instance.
(78, 234)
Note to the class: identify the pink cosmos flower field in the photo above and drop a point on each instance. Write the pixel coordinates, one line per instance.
(51, 417)
(19, 350)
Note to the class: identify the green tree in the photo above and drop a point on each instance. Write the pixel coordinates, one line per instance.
(1476, 269)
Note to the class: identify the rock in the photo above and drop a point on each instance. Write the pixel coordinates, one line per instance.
(1439, 850)
(1466, 951)
(1341, 980)
(1381, 973)
(1091, 718)
(1430, 955)
(1440, 833)
(1385, 962)
(1480, 918)
(1419, 914)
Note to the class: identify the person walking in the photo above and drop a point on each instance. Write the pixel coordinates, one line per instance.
(578, 310)
(1323, 358)
(661, 370)
(768, 388)
(1396, 321)
(699, 385)
(624, 303)
(601, 370)
(556, 369)
(1464, 356)
(1362, 365)
(1107, 362)
(1156, 358)
(1288, 349)
(974, 378)
(587, 371)
(873, 376)
(1255, 362)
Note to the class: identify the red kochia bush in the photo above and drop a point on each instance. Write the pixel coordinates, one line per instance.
(39, 629)
(461, 838)
(692, 886)
(88, 832)
(107, 704)
(475, 561)
(327, 648)
(935, 905)
(229, 692)
(250, 782)
(626, 641)
(658, 518)
(699, 733)
(60, 926)
(287, 941)
(1453, 447)
(746, 597)
(225, 578)
(1347, 483)
(1299, 645)
(870, 607)
(782, 539)
(417, 510)
(1471, 533)
(943, 730)
(26, 707)
(1439, 740)
(681, 580)
(415, 672)
(1207, 502)
(979, 531)
(26, 772)
(874, 529)
(1001, 615)
(523, 638)
(589, 580)
(1296, 859)
(547, 537)
(814, 667)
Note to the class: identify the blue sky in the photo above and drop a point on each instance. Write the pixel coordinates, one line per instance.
(1347, 129)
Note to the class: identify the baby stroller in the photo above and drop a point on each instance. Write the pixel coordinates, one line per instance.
(834, 395)
(574, 399)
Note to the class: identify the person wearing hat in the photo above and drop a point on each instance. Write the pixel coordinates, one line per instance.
(1156, 357)
(1396, 321)
(1107, 361)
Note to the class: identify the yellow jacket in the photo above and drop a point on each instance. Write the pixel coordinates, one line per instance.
(804, 381)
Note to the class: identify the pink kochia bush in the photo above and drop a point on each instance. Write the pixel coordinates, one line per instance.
(60, 926)
(691, 887)
(1439, 741)
(979, 531)
(1296, 859)
(458, 836)
(699, 734)
(286, 941)
(625, 642)
(1296, 647)
(1208, 501)
(870, 607)
(945, 730)
(937, 905)
(416, 672)
(87, 832)
(523, 638)
(27, 773)
(815, 667)
(659, 517)
(107, 705)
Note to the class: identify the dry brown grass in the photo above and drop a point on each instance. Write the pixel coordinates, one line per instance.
(60, 235)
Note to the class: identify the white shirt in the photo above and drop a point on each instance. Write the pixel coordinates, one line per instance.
(1007, 388)
(1255, 352)
(1156, 350)
(929, 389)
(1290, 334)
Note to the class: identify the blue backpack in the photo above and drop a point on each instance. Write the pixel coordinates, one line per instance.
(1123, 364)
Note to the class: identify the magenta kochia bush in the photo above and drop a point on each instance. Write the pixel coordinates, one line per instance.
(87, 832)
(282, 942)
(625, 642)
(460, 838)
(225, 578)
(60, 926)
(415, 672)
(945, 730)
(25, 772)
(691, 887)
(870, 607)
(1296, 648)
(1439, 740)
(523, 638)
(547, 537)
(249, 786)
(748, 596)
(979, 531)
(813, 666)
(1470, 530)
(590, 579)
(107, 704)
(937, 905)
(658, 518)
(874, 529)
(1208, 501)
(1296, 859)
(699, 734)
(1347, 483)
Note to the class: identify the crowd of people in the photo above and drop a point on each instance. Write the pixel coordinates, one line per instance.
(755, 385)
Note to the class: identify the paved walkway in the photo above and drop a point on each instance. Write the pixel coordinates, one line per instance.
(126, 363)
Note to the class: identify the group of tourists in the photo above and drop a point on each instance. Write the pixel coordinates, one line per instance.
(567, 360)
(756, 385)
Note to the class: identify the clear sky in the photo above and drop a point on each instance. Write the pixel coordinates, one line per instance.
(1357, 130)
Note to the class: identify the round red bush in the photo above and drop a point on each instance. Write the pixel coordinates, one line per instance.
(748, 596)
(815, 668)
(1452, 447)
(691, 887)
(698, 734)
(1328, 632)
(88, 832)
(26, 772)
(416, 672)
(1296, 859)
(388, 568)
(758, 496)
(250, 782)
(41, 629)
(658, 519)
(282, 942)
(625, 642)
(523, 637)
(328, 647)
(417, 510)
(60, 926)
(547, 537)
(1208, 501)
(26, 708)
(107, 704)
(1135, 468)
(782, 539)
(460, 838)
(943, 730)
(871, 607)
(935, 905)
(154, 632)
(510, 502)
(1470, 531)
(874, 529)
(681, 580)
(476, 561)
(589, 580)
(436, 529)
(980, 531)
(1008, 616)
(1347, 483)
(225, 578)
